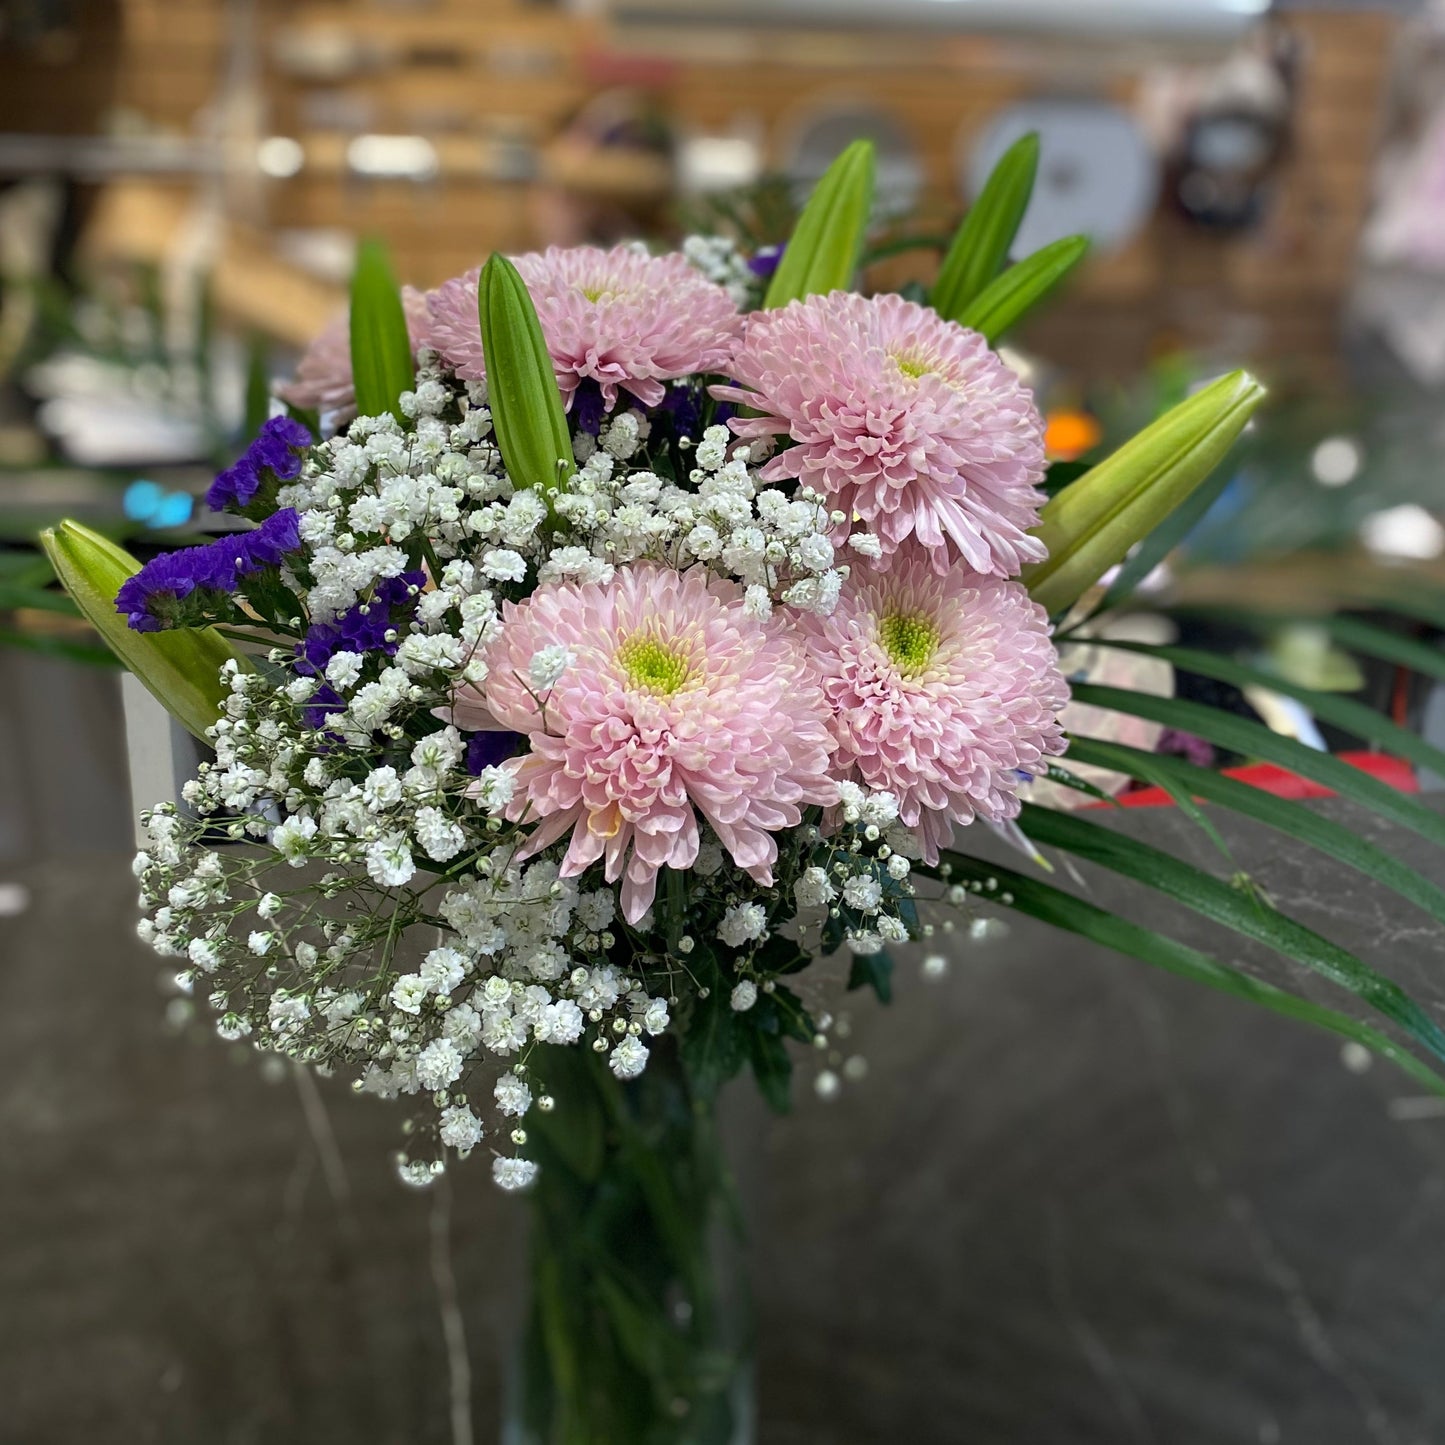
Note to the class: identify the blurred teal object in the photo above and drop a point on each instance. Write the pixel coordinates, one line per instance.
(149, 502)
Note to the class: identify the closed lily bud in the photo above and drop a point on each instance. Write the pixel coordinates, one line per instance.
(1091, 525)
(182, 668)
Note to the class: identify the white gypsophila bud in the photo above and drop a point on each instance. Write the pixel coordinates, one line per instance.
(864, 944)
(443, 969)
(438, 1065)
(513, 1174)
(742, 923)
(389, 860)
(492, 789)
(268, 905)
(439, 836)
(260, 943)
(757, 604)
(813, 889)
(409, 992)
(892, 929)
(744, 996)
(513, 1096)
(547, 664)
(460, 1129)
(879, 810)
(865, 544)
(628, 1059)
(655, 1017)
(204, 954)
(863, 893)
(559, 1023)
(382, 789)
(899, 867)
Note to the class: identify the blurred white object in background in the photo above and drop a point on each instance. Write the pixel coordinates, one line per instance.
(1404, 533)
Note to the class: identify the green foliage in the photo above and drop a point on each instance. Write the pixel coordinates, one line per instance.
(527, 414)
(875, 971)
(981, 244)
(381, 364)
(827, 242)
(1004, 302)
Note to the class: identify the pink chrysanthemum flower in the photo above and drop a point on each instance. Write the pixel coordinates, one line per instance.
(323, 380)
(620, 318)
(672, 702)
(940, 688)
(905, 420)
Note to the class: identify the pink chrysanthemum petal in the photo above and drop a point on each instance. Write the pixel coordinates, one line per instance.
(323, 375)
(623, 319)
(942, 689)
(907, 421)
(675, 704)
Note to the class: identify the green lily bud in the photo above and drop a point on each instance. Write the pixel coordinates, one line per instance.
(181, 668)
(381, 365)
(981, 244)
(822, 254)
(527, 415)
(1094, 521)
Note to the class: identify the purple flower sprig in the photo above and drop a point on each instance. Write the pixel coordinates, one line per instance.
(187, 588)
(361, 628)
(275, 456)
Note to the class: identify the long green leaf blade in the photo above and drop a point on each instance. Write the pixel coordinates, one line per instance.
(182, 668)
(1228, 906)
(1284, 816)
(1342, 712)
(981, 243)
(1252, 739)
(527, 413)
(1366, 638)
(381, 365)
(1007, 300)
(822, 254)
(1062, 910)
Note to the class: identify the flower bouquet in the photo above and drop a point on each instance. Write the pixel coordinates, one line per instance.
(627, 633)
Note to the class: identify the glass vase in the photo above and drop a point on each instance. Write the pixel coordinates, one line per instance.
(637, 1327)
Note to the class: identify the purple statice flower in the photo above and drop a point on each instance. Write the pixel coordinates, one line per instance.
(486, 750)
(764, 261)
(278, 449)
(1184, 745)
(152, 599)
(588, 409)
(361, 628)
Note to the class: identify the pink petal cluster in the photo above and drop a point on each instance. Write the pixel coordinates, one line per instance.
(323, 381)
(626, 320)
(674, 703)
(940, 688)
(905, 420)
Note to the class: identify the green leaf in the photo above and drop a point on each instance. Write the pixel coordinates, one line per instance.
(527, 414)
(258, 384)
(773, 1069)
(1062, 910)
(1092, 523)
(1342, 712)
(1234, 909)
(1252, 739)
(1008, 299)
(875, 971)
(1366, 638)
(180, 668)
(714, 1044)
(1284, 816)
(822, 254)
(381, 363)
(981, 244)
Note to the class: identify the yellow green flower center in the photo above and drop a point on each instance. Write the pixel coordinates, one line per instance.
(652, 666)
(910, 640)
(914, 366)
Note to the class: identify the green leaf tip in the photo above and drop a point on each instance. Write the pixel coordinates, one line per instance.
(1006, 300)
(822, 254)
(181, 668)
(381, 364)
(981, 244)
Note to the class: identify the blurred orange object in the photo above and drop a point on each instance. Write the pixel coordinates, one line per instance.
(1068, 435)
